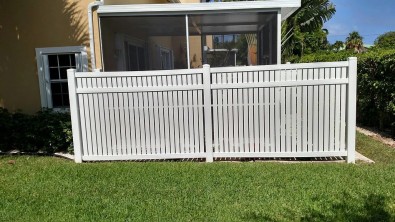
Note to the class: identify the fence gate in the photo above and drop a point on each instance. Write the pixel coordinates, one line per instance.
(290, 110)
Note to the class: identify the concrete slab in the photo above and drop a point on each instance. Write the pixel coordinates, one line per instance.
(360, 157)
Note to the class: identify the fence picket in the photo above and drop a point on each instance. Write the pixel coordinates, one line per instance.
(266, 115)
(256, 121)
(337, 112)
(250, 114)
(273, 114)
(299, 105)
(195, 131)
(261, 115)
(316, 114)
(241, 114)
(332, 112)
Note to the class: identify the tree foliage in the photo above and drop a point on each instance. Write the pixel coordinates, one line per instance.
(386, 40)
(355, 41)
(303, 29)
(376, 84)
(337, 46)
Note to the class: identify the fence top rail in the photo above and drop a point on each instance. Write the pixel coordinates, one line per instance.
(213, 70)
(138, 73)
(139, 89)
(281, 67)
(287, 83)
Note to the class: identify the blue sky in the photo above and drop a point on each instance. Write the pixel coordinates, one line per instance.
(369, 17)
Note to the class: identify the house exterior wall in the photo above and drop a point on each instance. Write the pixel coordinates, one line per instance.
(27, 25)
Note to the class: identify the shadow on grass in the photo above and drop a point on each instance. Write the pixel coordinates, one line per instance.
(348, 209)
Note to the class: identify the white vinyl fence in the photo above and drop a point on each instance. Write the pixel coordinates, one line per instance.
(290, 110)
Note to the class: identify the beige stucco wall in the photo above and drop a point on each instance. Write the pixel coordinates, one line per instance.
(27, 25)
(195, 52)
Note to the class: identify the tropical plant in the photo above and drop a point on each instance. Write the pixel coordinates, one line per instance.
(355, 41)
(337, 46)
(386, 40)
(309, 18)
(315, 41)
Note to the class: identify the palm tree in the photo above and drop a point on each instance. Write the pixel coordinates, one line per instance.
(337, 46)
(355, 41)
(308, 18)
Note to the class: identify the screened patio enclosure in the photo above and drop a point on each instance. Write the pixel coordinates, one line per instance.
(183, 36)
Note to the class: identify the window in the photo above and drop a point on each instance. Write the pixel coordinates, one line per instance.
(224, 41)
(53, 64)
(132, 53)
(135, 57)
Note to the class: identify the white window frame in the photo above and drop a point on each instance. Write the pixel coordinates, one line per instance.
(43, 69)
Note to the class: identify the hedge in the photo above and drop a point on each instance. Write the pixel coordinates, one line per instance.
(46, 131)
(376, 85)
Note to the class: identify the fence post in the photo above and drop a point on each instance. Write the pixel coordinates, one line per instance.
(351, 108)
(207, 113)
(75, 117)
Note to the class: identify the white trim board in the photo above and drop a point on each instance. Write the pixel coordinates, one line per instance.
(287, 7)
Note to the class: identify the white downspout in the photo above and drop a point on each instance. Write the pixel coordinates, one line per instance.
(91, 37)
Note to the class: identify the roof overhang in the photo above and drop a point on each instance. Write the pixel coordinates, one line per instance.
(287, 7)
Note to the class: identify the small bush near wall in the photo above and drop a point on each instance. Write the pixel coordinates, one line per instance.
(46, 131)
(376, 85)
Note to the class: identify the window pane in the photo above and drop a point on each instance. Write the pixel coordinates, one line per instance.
(166, 63)
(52, 60)
(141, 56)
(63, 72)
(57, 100)
(64, 60)
(66, 101)
(133, 58)
(53, 73)
(72, 59)
(65, 88)
(56, 88)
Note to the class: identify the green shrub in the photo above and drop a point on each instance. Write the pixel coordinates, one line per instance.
(23, 133)
(376, 84)
(5, 130)
(45, 131)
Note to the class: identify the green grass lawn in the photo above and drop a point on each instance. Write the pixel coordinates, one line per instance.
(53, 189)
(377, 151)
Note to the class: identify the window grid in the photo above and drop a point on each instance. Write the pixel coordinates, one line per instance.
(58, 65)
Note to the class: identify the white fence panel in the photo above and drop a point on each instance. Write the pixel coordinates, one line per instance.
(298, 111)
(139, 115)
(292, 110)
